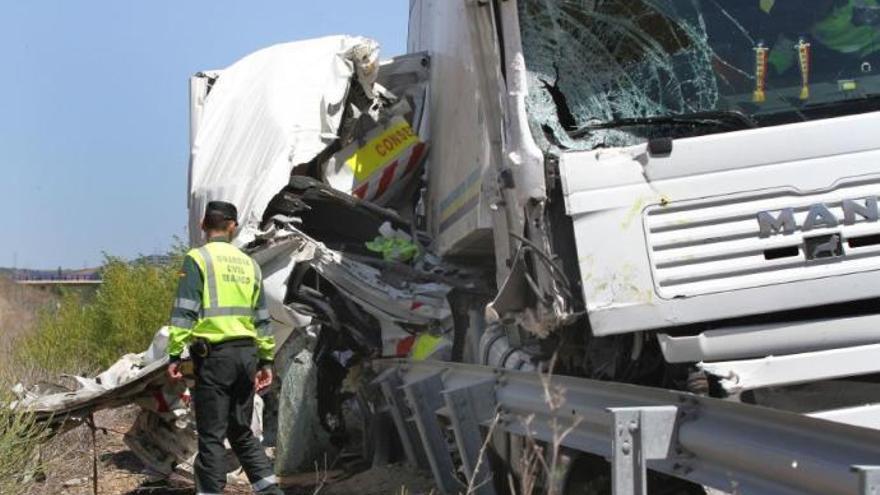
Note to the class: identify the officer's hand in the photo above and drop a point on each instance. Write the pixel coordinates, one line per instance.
(174, 372)
(263, 379)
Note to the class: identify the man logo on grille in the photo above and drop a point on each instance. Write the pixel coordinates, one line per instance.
(818, 216)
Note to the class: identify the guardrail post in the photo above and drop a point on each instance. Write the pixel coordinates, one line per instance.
(638, 435)
(424, 400)
(470, 406)
(390, 383)
(869, 479)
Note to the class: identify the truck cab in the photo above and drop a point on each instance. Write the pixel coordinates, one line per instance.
(691, 180)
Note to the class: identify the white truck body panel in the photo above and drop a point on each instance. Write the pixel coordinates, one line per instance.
(777, 371)
(867, 416)
(458, 213)
(764, 339)
(666, 241)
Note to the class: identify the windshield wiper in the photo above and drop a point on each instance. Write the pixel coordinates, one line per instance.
(716, 118)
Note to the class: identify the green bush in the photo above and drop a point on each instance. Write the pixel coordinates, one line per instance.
(82, 335)
(20, 439)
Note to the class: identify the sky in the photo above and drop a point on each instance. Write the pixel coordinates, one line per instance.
(94, 111)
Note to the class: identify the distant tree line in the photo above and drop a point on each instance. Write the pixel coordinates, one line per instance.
(24, 274)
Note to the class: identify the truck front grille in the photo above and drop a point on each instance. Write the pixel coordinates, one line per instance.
(716, 244)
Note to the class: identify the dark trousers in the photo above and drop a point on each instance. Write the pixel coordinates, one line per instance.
(224, 404)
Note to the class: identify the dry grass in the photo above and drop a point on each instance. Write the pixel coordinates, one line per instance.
(19, 307)
(479, 468)
(541, 466)
(20, 439)
(20, 436)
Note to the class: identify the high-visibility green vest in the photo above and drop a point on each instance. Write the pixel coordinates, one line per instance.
(229, 295)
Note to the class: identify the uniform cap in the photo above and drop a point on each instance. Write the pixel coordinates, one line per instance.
(228, 210)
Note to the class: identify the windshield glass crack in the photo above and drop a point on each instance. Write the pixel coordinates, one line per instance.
(591, 63)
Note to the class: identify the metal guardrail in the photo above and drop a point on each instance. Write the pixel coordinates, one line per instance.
(729, 446)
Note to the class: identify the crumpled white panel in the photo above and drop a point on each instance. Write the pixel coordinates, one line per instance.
(269, 111)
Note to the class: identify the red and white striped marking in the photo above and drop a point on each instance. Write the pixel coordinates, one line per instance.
(378, 184)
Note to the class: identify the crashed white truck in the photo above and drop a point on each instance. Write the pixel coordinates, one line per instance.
(674, 193)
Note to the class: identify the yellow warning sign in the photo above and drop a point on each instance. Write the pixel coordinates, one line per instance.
(382, 149)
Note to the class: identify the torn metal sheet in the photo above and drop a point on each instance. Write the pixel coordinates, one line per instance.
(422, 303)
(164, 433)
(276, 265)
(164, 447)
(134, 375)
(262, 123)
(268, 112)
(406, 76)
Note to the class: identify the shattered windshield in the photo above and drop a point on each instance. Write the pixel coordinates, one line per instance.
(615, 72)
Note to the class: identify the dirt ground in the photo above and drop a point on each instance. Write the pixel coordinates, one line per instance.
(69, 457)
(69, 469)
(384, 480)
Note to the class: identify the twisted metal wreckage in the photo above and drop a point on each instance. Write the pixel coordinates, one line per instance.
(346, 271)
(567, 211)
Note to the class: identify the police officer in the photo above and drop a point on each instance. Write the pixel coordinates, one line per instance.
(220, 312)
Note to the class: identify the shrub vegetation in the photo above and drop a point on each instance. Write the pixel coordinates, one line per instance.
(88, 334)
(74, 333)
(20, 439)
